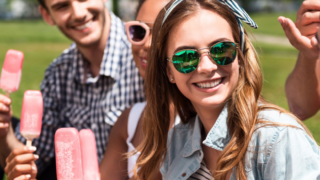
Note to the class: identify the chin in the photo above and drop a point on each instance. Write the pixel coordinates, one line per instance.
(88, 41)
(213, 101)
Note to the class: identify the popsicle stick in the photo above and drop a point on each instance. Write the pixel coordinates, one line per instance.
(7, 94)
(29, 143)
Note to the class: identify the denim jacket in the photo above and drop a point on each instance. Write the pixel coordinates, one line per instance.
(274, 152)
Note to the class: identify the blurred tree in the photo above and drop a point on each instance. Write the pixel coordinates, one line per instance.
(246, 4)
(115, 7)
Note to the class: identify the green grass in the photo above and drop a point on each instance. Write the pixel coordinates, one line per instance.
(268, 23)
(42, 43)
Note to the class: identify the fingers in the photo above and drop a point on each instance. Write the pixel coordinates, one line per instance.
(20, 164)
(22, 171)
(293, 34)
(310, 5)
(5, 100)
(21, 160)
(309, 30)
(5, 114)
(22, 177)
(308, 18)
(20, 151)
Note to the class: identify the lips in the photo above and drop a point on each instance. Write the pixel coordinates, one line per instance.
(143, 62)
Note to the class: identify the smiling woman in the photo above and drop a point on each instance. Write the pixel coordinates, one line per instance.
(202, 59)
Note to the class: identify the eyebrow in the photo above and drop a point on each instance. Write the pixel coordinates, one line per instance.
(56, 5)
(193, 47)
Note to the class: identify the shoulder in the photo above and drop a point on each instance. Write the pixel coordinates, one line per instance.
(64, 60)
(280, 131)
(272, 123)
(119, 32)
(121, 125)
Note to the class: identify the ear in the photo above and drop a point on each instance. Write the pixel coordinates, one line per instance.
(170, 75)
(46, 16)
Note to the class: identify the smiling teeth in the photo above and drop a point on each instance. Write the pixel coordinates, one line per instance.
(84, 26)
(209, 84)
(144, 61)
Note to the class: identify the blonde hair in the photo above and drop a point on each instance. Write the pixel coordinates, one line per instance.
(243, 106)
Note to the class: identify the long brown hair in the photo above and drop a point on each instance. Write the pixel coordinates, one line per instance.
(243, 105)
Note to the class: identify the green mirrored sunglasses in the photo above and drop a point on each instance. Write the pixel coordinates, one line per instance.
(187, 60)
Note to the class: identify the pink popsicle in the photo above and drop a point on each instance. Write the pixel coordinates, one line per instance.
(11, 71)
(90, 164)
(68, 154)
(31, 115)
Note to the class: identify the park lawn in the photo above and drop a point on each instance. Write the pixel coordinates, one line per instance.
(268, 23)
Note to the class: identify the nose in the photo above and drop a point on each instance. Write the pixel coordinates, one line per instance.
(79, 11)
(147, 44)
(206, 66)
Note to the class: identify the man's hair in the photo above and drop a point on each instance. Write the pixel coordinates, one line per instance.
(43, 4)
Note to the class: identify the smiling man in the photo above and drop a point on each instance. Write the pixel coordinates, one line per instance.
(87, 86)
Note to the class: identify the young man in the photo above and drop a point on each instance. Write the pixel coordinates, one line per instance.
(303, 84)
(88, 86)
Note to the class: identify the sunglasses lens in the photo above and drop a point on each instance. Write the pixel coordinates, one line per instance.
(186, 61)
(137, 33)
(224, 53)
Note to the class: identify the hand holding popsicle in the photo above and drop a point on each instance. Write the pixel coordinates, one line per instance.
(5, 115)
(20, 164)
(9, 82)
(31, 115)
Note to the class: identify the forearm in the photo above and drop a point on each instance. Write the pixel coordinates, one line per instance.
(302, 88)
(7, 144)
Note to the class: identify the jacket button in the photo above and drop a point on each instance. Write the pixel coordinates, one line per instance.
(199, 153)
(184, 174)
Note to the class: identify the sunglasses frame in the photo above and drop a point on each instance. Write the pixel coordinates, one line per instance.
(137, 23)
(207, 51)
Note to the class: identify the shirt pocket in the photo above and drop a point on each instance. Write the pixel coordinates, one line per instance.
(76, 116)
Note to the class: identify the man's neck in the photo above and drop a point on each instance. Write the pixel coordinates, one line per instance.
(94, 53)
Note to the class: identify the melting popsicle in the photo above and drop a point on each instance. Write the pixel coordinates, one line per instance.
(68, 154)
(31, 115)
(90, 164)
(11, 71)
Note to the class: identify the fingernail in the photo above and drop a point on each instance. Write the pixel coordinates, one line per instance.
(6, 124)
(8, 101)
(280, 21)
(34, 168)
(28, 176)
(36, 156)
(5, 108)
(32, 148)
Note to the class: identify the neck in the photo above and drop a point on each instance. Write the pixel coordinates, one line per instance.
(208, 116)
(94, 53)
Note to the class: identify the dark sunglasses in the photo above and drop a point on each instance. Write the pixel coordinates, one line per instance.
(222, 53)
(137, 31)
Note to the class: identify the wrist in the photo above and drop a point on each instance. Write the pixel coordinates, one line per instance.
(308, 57)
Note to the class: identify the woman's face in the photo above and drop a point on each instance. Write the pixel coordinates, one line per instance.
(147, 13)
(209, 85)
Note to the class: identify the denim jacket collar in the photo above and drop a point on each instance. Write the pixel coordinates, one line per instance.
(217, 138)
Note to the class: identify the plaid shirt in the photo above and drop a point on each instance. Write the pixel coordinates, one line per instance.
(73, 98)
